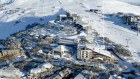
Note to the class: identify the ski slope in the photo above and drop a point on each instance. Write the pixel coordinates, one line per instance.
(6, 2)
(34, 9)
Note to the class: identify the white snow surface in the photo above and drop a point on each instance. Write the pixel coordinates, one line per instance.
(34, 9)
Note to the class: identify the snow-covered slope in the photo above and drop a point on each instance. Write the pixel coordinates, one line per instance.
(29, 11)
(113, 6)
(6, 2)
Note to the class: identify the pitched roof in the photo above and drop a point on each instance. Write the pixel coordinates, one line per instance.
(47, 65)
(61, 48)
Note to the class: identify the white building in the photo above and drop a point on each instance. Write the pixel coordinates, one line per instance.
(61, 50)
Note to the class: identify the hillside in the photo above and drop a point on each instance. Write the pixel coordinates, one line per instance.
(29, 11)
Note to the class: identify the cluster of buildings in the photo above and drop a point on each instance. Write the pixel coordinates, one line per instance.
(77, 44)
(130, 19)
(11, 72)
(11, 51)
(15, 52)
(41, 71)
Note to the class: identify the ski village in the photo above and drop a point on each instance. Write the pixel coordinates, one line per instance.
(69, 39)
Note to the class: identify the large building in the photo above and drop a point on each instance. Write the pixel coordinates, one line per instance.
(84, 53)
(89, 52)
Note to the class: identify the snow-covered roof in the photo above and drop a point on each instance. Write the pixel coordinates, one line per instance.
(35, 70)
(104, 52)
(90, 46)
(82, 34)
(80, 76)
(63, 15)
(47, 65)
(53, 35)
(40, 51)
(61, 48)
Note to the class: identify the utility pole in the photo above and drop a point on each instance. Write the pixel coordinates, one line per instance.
(42, 6)
(138, 31)
(127, 41)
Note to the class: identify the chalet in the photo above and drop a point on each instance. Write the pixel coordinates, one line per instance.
(68, 16)
(75, 17)
(72, 16)
(65, 72)
(136, 25)
(129, 19)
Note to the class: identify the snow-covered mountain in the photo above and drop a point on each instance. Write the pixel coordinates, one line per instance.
(29, 11)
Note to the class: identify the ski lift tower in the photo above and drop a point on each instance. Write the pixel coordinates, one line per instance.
(103, 21)
(42, 11)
